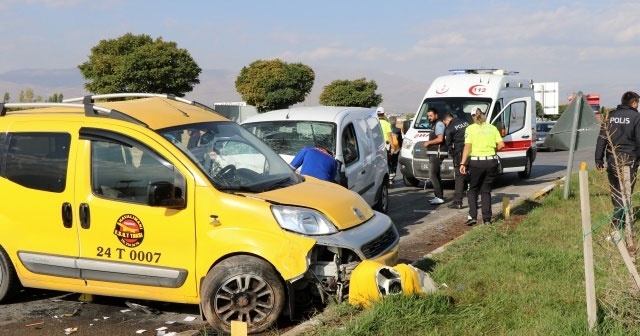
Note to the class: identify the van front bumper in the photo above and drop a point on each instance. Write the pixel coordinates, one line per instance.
(375, 239)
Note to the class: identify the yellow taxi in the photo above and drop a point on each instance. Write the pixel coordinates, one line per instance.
(156, 197)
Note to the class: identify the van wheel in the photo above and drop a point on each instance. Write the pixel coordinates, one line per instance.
(242, 288)
(383, 199)
(527, 169)
(9, 282)
(551, 149)
(410, 181)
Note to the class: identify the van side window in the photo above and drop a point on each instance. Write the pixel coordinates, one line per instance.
(37, 160)
(124, 172)
(350, 150)
(512, 119)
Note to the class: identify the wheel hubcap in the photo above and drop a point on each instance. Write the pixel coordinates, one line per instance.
(247, 298)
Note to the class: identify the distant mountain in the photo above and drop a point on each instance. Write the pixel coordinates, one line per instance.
(400, 95)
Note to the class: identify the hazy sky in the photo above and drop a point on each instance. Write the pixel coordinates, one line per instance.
(590, 46)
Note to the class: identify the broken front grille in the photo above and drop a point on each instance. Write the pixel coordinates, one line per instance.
(380, 244)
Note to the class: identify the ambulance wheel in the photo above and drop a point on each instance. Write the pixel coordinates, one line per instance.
(242, 288)
(410, 181)
(9, 282)
(551, 149)
(527, 169)
(383, 199)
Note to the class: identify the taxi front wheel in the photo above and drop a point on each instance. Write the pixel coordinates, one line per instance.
(242, 288)
(9, 282)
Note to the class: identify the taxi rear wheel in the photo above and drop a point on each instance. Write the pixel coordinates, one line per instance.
(9, 282)
(242, 288)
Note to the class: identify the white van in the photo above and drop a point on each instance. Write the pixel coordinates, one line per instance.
(509, 103)
(352, 134)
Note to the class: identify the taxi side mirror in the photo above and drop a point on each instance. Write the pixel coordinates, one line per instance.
(165, 194)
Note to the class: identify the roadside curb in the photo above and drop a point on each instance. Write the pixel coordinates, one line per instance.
(300, 329)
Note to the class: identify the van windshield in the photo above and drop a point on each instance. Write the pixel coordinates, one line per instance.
(232, 158)
(457, 106)
(288, 137)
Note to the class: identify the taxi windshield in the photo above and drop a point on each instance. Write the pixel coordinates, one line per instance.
(232, 158)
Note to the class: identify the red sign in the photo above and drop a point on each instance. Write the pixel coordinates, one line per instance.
(477, 90)
(442, 90)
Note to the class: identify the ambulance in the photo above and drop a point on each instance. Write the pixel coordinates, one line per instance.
(509, 103)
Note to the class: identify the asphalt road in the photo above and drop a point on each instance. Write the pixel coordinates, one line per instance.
(51, 313)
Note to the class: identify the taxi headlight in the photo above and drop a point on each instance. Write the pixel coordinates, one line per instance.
(407, 143)
(302, 220)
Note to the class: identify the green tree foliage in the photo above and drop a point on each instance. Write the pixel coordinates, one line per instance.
(6, 97)
(274, 84)
(359, 92)
(55, 98)
(137, 63)
(26, 96)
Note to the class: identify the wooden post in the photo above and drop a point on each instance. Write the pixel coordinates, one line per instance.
(238, 328)
(506, 207)
(626, 201)
(587, 243)
(626, 257)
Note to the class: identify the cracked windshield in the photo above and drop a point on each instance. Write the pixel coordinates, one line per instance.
(232, 158)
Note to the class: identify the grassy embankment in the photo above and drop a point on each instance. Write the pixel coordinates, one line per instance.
(522, 276)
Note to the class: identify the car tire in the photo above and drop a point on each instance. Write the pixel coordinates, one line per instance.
(242, 288)
(410, 181)
(551, 149)
(382, 205)
(527, 169)
(9, 282)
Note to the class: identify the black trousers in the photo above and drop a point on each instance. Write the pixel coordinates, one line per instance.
(459, 179)
(481, 175)
(616, 189)
(435, 162)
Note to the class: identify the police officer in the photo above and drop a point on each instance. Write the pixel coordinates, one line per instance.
(454, 140)
(619, 143)
(479, 157)
(436, 151)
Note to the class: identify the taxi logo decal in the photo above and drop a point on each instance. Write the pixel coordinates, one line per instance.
(129, 230)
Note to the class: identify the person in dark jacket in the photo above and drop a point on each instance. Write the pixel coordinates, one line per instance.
(619, 145)
(454, 140)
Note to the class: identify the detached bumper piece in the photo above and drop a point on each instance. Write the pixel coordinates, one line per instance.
(371, 281)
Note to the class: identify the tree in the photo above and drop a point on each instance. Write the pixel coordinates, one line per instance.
(274, 84)
(359, 92)
(6, 97)
(55, 98)
(137, 63)
(26, 96)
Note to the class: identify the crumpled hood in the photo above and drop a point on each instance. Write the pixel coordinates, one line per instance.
(343, 207)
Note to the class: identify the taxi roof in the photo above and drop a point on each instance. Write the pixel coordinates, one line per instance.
(156, 112)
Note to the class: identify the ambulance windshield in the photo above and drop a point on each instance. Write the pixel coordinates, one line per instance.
(457, 106)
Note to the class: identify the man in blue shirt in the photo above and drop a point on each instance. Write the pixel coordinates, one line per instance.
(316, 162)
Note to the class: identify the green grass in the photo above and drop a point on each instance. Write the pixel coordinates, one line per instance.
(523, 276)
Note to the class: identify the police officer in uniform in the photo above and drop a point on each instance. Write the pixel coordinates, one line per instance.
(619, 143)
(436, 151)
(481, 144)
(454, 140)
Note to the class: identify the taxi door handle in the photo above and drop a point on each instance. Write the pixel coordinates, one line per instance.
(85, 216)
(67, 215)
(525, 136)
